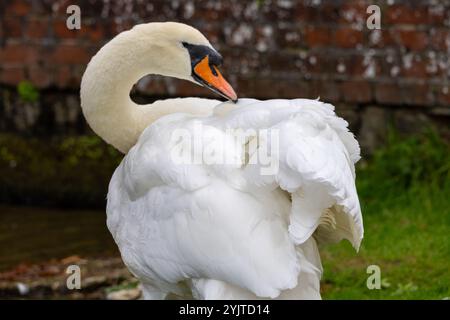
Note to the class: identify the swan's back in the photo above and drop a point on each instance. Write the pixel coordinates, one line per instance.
(224, 228)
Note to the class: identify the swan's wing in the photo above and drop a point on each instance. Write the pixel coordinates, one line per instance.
(315, 155)
(174, 222)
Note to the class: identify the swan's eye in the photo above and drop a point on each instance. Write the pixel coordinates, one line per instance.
(204, 63)
(198, 52)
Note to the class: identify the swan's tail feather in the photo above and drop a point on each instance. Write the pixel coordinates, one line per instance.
(308, 287)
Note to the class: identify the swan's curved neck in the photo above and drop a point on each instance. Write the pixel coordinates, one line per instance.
(106, 85)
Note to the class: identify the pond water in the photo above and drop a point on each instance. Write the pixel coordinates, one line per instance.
(30, 235)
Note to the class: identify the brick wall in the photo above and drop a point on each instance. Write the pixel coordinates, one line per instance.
(284, 48)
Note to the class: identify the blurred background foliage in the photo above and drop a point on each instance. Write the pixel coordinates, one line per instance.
(27, 91)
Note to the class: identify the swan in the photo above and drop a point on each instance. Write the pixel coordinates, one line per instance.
(230, 226)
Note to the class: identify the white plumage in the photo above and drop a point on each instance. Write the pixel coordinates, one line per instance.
(224, 227)
(225, 230)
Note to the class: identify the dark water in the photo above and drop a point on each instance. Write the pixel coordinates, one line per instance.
(34, 235)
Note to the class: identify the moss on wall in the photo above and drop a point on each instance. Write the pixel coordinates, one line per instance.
(69, 171)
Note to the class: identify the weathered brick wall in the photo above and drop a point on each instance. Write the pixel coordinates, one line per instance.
(272, 48)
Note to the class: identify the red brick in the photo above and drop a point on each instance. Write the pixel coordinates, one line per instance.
(443, 95)
(209, 11)
(94, 32)
(59, 8)
(19, 54)
(61, 31)
(76, 74)
(18, 8)
(243, 86)
(357, 65)
(437, 14)
(243, 61)
(440, 39)
(353, 12)
(406, 14)
(267, 87)
(281, 71)
(417, 69)
(317, 36)
(12, 27)
(37, 28)
(381, 38)
(186, 89)
(117, 27)
(292, 89)
(413, 40)
(154, 86)
(316, 63)
(326, 89)
(11, 75)
(387, 93)
(356, 91)
(64, 76)
(289, 37)
(307, 13)
(281, 61)
(348, 37)
(330, 12)
(39, 76)
(418, 94)
(70, 54)
(214, 32)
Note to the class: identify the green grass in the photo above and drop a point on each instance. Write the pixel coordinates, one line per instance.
(405, 198)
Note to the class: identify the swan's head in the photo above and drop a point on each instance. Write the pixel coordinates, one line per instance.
(183, 52)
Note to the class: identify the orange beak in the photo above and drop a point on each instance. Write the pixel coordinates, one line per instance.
(211, 77)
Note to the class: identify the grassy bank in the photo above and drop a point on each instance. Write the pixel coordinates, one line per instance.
(405, 197)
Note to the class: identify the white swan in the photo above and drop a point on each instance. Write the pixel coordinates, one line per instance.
(222, 229)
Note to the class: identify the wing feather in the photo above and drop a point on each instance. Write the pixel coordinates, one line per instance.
(178, 221)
